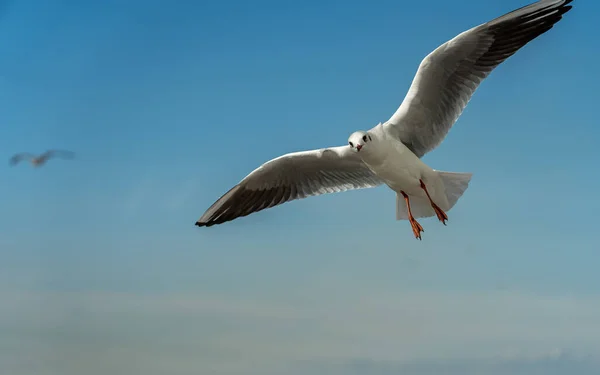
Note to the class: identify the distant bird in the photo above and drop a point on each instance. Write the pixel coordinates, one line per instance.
(39, 160)
(390, 153)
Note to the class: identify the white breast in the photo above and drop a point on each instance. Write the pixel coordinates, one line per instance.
(392, 161)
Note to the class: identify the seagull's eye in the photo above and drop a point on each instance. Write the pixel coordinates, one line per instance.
(364, 138)
(350, 143)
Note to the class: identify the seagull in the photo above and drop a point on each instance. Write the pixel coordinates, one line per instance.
(40, 160)
(390, 153)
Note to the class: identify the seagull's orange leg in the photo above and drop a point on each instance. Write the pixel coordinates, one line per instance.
(416, 227)
(438, 211)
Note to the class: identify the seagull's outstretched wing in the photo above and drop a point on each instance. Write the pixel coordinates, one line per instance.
(292, 176)
(448, 76)
(15, 159)
(57, 153)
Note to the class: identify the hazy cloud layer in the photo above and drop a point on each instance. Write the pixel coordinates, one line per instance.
(98, 333)
(555, 363)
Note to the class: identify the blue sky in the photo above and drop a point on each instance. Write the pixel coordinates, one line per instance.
(167, 105)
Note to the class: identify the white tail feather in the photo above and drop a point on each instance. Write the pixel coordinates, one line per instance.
(454, 183)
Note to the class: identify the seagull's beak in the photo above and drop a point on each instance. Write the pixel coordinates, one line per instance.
(358, 147)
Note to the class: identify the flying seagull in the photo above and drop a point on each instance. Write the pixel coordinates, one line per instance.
(390, 153)
(39, 160)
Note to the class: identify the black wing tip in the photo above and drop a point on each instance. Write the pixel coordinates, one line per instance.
(556, 10)
(211, 222)
(566, 8)
(239, 202)
(202, 224)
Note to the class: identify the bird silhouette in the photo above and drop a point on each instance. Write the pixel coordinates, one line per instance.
(41, 159)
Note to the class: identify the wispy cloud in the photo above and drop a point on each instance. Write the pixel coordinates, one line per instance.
(550, 364)
(212, 334)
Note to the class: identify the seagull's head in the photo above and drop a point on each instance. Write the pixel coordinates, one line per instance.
(359, 140)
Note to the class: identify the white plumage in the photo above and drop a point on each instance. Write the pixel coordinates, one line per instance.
(390, 153)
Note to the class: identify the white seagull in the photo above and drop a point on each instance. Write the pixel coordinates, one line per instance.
(390, 153)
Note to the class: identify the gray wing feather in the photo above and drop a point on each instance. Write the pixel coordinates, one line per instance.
(289, 177)
(15, 159)
(448, 76)
(61, 153)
